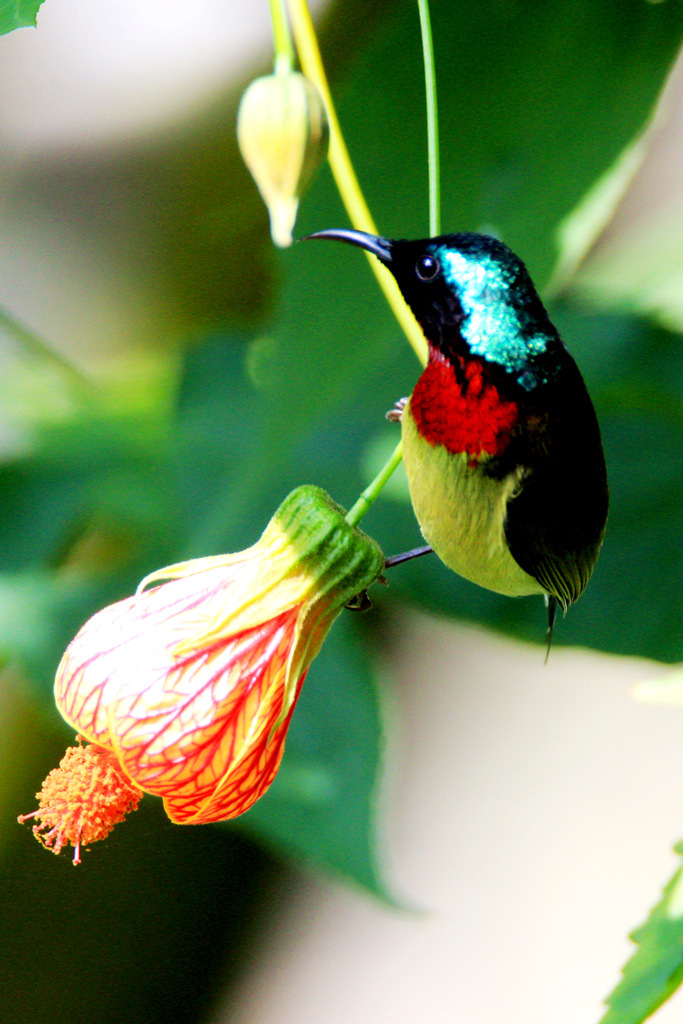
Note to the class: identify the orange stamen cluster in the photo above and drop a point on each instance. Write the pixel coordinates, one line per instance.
(82, 800)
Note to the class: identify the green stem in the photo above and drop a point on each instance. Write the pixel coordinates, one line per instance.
(432, 121)
(372, 491)
(282, 37)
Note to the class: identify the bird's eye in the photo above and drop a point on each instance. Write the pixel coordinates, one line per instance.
(427, 268)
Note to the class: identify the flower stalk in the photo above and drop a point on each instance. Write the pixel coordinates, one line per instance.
(374, 488)
(282, 39)
(433, 163)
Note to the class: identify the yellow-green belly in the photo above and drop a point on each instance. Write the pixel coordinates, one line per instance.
(461, 513)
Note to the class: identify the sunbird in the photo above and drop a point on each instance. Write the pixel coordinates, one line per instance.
(501, 443)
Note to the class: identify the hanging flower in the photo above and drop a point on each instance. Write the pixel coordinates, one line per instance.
(191, 683)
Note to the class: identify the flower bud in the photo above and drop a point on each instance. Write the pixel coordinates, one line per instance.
(283, 135)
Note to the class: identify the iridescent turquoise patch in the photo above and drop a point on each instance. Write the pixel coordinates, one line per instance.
(492, 328)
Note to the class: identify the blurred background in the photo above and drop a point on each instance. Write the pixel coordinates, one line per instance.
(457, 831)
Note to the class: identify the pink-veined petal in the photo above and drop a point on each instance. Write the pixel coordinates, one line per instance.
(128, 645)
(184, 734)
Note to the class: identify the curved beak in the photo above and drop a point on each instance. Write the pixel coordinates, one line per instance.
(379, 247)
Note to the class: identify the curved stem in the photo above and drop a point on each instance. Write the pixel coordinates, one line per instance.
(372, 491)
(432, 121)
(282, 38)
(344, 175)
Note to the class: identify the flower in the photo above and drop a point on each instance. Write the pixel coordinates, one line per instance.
(283, 136)
(191, 683)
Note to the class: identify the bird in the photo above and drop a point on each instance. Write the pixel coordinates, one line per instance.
(501, 443)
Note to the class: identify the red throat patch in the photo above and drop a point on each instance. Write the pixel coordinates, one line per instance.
(463, 415)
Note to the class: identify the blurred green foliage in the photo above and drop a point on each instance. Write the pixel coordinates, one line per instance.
(286, 366)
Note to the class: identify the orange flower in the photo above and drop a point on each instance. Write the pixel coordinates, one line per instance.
(191, 684)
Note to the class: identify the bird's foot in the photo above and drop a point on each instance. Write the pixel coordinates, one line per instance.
(360, 603)
(394, 415)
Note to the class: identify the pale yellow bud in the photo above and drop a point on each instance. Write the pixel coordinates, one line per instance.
(282, 134)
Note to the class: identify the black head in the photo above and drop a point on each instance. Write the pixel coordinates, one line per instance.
(470, 294)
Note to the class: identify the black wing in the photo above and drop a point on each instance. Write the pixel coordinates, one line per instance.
(555, 524)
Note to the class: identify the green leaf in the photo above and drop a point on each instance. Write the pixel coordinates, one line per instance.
(655, 970)
(18, 14)
(224, 475)
(321, 807)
